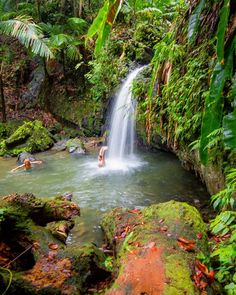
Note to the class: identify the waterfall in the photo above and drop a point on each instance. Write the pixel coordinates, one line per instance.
(122, 130)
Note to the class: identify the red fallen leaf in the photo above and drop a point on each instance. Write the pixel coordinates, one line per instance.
(185, 244)
(203, 268)
(135, 211)
(53, 246)
(186, 247)
(197, 278)
(185, 241)
(211, 276)
(203, 285)
(199, 236)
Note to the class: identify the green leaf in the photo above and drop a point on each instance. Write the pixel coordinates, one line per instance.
(229, 134)
(28, 33)
(224, 15)
(101, 40)
(98, 22)
(103, 23)
(59, 40)
(212, 117)
(194, 21)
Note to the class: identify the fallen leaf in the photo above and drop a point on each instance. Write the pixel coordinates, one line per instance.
(185, 244)
(135, 211)
(53, 246)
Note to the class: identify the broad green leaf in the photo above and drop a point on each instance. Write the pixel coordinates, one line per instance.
(194, 21)
(101, 40)
(229, 134)
(212, 117)
(103, 23)
(98, 22)
(224, 15)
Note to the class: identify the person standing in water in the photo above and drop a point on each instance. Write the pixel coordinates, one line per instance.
(101, 156)
(27, 164)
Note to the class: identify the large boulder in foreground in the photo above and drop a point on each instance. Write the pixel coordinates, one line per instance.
(33, 250)
(157, 249)
(30, 137)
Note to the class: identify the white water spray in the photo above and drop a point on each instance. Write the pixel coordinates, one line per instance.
(122, 131)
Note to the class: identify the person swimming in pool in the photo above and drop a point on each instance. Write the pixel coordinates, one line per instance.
(101, 156)
(27, 164)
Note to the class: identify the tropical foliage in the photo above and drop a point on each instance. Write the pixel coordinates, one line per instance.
(188, 91)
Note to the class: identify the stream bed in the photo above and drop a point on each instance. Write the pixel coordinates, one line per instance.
(145, 179)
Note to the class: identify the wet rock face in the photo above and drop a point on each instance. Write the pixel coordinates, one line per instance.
(158, 245)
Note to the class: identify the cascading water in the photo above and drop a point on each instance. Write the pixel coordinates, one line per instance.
(122, 131)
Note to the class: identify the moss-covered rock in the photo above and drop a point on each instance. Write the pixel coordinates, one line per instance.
(29, 137)
(45, 265)
(156, 248)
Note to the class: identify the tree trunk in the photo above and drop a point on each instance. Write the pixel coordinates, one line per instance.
(63, 7)
(4, 116)
(75, 8)
(64, 70)
(81, 5)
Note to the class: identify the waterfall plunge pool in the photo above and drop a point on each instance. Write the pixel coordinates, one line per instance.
(145, 179)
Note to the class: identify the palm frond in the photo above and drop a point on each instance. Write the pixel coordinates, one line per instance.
(28, 33)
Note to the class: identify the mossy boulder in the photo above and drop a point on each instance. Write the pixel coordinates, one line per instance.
(29, 137)
(156, 248)
(48, 266)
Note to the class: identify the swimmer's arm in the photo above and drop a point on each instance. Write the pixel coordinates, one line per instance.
(18, 167)
(36, 162)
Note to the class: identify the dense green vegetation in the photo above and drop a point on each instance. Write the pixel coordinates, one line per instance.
(186, 95)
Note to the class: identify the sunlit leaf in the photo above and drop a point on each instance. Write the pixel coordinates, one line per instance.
(224, 15)
(98, 22)
(103, 23)
(28, 33)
